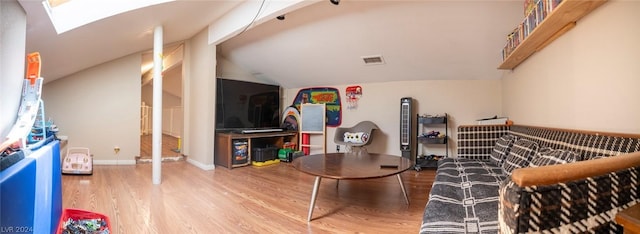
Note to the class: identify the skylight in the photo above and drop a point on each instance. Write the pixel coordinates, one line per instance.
(69, 14)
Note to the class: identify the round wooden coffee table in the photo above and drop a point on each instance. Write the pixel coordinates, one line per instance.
(350, 166)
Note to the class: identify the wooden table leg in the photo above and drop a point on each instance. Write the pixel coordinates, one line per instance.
(314, 194)
(406, 198)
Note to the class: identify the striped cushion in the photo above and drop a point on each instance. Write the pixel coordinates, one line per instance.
(501, 148)
(464, 198)
(519, 156)
(548, 156)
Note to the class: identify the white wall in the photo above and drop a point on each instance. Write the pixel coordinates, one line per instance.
(171, 86)
(464, 100)
(227, 69)
(13, 33)
(172, 114)
(172, 81)
(99, 108)
(586, 79)
(199, 100)
(168, 100)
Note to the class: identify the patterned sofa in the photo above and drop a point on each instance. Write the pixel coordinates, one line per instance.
(524, 179)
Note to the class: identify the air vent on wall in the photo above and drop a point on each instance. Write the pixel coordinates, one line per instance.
(373, 60)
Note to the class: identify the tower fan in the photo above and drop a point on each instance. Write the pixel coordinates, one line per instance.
(406, 128)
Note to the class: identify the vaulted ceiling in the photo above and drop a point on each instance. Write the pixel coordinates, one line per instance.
(321, 44)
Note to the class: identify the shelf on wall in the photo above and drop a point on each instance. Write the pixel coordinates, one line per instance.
(559, 21)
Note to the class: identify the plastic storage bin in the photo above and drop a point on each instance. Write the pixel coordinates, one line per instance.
(77, 214)
(240, 153)
(264, 154)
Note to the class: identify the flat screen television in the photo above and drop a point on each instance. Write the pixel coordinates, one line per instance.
(244, 105)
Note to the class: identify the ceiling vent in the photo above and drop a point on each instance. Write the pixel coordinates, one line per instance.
(373, 60)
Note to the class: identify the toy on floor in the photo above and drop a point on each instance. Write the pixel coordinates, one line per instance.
(75, 221)
(78, 161)
(72, 226)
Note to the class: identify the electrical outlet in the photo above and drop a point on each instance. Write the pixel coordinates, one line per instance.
(337, 148)
(116, 149)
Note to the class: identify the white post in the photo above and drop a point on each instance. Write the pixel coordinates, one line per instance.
(156, 143)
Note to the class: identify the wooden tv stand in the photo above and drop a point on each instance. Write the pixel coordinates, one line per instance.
(224, 145)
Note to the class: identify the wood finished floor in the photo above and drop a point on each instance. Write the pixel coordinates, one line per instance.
(168, 144)
(270, 199)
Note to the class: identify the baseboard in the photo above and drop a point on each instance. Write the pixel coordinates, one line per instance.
(133, 162)
(115, 162)
(201, 165)
(164, 159)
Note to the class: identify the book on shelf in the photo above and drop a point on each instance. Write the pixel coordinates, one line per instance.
(528, 6)
(535, 12)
